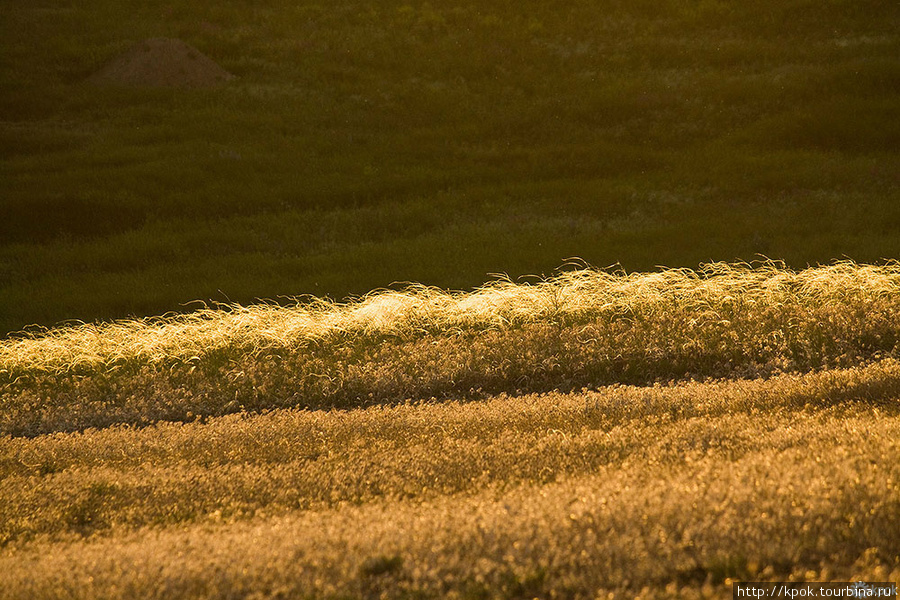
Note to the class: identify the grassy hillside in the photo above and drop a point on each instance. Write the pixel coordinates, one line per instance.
(584, 329)
(655, 435)
(638, 431)
(366, 143)
(633, 491)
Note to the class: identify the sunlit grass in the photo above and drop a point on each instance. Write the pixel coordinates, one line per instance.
(660, 489)
(689, 428)
(584, 328)
(716, 291)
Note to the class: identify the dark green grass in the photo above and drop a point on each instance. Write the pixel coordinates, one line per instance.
(366, 143)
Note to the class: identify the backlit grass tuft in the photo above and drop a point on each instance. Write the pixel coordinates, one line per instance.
(582, 329)
(717, 292)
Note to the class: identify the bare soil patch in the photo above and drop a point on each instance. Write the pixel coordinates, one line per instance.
(162, 62)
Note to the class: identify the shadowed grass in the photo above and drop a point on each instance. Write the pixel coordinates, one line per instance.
(639, 133)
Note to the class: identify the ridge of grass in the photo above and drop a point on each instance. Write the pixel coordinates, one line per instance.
(582, 329)
(714, 291)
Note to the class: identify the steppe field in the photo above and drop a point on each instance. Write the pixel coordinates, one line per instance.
(217, 380)
(650, 435)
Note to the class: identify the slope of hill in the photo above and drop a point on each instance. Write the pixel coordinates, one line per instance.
(368, 142)
(645, 435)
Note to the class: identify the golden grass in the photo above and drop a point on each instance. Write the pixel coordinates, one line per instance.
(651, 535)
(582, 329)
(691, 427)
(669, 488)
(714, 292)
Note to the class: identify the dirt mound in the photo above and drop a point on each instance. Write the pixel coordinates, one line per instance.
(162, 62)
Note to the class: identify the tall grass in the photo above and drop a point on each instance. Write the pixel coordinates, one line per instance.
(654, 492)
(586, 328)
(673, 486)
(716, 293)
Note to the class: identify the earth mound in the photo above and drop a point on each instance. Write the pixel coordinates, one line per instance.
(162, 62)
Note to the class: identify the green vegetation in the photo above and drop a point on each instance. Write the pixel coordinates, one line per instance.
(367, 143)
(655, 434)
(637, 431)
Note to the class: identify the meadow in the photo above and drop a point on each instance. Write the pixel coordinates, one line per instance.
(216, 381)
(593, 435)
(367, 143)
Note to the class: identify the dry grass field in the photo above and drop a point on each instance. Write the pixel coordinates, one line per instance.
(297, 422)
(594, 435)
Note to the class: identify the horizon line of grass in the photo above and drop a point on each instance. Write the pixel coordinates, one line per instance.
(583, 329)
(587, 295)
